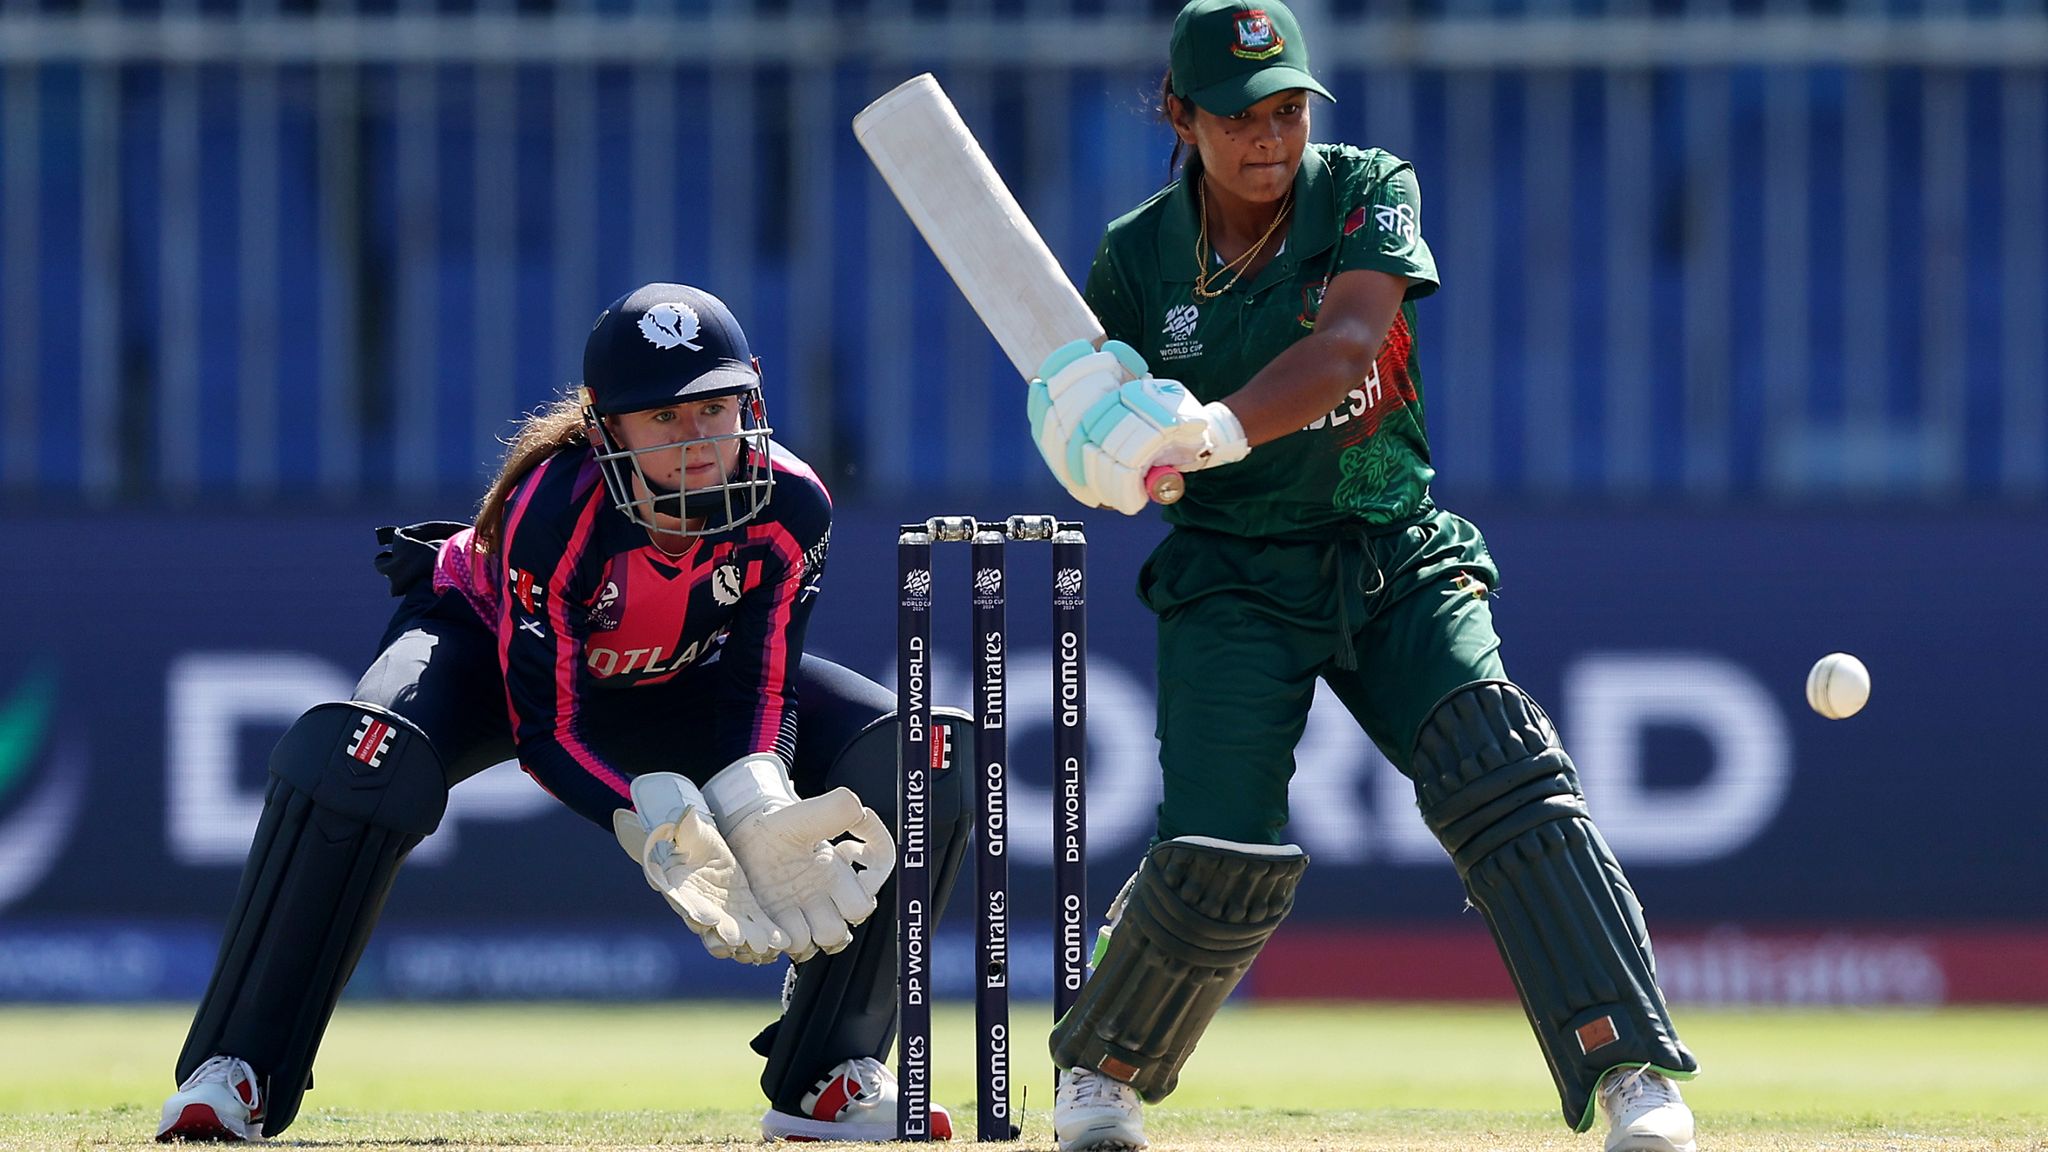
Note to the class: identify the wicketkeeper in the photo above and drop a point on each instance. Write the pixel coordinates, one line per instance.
(626, 618)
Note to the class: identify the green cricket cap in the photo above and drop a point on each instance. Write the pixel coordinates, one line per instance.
(1228, 55)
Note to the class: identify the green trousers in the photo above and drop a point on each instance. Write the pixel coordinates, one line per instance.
(1392, 621)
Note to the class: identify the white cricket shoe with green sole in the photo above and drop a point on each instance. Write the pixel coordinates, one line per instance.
(1094, 1113)
(1645, 1112)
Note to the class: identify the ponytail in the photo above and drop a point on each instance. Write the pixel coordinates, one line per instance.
(1166, 106)
(540, 435)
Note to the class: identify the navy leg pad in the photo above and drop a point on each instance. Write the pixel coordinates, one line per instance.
(844, 1005)
(353, 789)
(1496, 787)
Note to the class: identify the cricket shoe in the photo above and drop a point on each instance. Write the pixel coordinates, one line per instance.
(221, 1100)
(1645, 1112)
(854, 1101)
(1096, 1113)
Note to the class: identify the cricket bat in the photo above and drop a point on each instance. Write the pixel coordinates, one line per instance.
(975, 226)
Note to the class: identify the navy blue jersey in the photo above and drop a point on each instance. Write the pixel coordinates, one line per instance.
(599, 629)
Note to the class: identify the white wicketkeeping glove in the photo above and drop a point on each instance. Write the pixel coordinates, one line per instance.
(809, 885)
(669, 830)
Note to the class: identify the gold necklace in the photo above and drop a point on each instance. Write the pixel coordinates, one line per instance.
(1203, 276)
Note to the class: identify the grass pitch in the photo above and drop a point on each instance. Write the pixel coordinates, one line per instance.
(1331, 1077)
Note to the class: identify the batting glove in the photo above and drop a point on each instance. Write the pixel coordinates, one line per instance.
(1103, 422)
(1071, 383)
(1223, 440)
(815, 890)
(669, 830)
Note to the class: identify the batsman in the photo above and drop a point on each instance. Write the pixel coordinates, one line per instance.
(1272, 287)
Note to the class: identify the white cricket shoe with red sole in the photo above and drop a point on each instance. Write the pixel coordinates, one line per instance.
(1645, 1112)
(855, 1101)
(221, 1100)
(1096, 1113)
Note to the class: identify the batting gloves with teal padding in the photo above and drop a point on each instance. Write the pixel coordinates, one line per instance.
(1101, 420)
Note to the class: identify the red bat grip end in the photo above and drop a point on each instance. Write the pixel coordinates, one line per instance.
(1165, 485)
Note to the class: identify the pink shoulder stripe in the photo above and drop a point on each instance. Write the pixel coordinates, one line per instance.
(793, 465)
(515, 515)
(784, 462)
(775, 661)
(566, 649)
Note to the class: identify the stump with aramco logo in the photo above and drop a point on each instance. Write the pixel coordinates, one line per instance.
(921, 750)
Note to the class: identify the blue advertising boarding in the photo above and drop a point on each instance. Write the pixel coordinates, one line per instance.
(147, 666)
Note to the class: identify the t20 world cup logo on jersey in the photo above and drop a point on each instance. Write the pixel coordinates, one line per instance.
(603, 615)
(1178, 330)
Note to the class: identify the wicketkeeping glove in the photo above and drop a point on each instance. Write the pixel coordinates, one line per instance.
(814, 889)
(669, 830)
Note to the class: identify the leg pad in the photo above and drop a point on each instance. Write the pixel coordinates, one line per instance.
(844, 1005)
(1496, 786)
(1196, 916)
(353, 789)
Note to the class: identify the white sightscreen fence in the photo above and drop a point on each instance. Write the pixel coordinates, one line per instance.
(1770, 252)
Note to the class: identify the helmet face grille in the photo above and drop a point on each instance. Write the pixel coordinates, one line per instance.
(735, 500)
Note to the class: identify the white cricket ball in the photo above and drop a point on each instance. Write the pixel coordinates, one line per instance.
(1838, 686)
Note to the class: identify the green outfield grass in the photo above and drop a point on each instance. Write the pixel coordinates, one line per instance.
(1324, 1076)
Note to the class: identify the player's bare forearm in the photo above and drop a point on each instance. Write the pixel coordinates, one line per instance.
(1304, 382)
(1315, 373)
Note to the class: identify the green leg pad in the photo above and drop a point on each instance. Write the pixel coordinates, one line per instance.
(1197, 915)
(1496, 787)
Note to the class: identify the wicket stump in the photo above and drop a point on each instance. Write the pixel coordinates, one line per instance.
(921, 751)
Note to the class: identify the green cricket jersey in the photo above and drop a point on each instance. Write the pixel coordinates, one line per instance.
(1368, 461)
